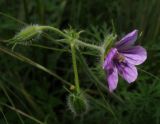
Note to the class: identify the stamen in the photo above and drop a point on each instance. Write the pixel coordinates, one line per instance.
(120, 57)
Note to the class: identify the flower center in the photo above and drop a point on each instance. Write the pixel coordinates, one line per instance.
(120, 58)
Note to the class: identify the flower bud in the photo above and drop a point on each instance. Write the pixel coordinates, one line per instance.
(77, 103)
(108, 41)
(27, 34)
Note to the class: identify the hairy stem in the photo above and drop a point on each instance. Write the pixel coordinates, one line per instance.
(81, 43)
(75, 67)
(55, 30)
(89, 45)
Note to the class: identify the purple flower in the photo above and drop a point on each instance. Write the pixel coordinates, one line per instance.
(122, 60)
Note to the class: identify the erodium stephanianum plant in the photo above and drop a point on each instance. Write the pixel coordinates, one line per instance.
(122, 58)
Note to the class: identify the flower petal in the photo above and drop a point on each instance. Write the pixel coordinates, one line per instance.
(108, 60)
(112, 79)
(135, 55)
(128, 40)
(128, 72)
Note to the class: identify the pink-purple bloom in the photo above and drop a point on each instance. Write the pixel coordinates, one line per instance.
(122, 58)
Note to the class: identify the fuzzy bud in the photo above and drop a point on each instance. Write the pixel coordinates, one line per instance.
(108, 41)
(78, 104)
(27, 34)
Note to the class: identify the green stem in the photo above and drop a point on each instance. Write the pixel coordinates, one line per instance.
(55, 30)
(89, 45)
(75, 68)
(77, 41)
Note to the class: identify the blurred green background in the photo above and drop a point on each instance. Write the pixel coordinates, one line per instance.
(32, 95)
